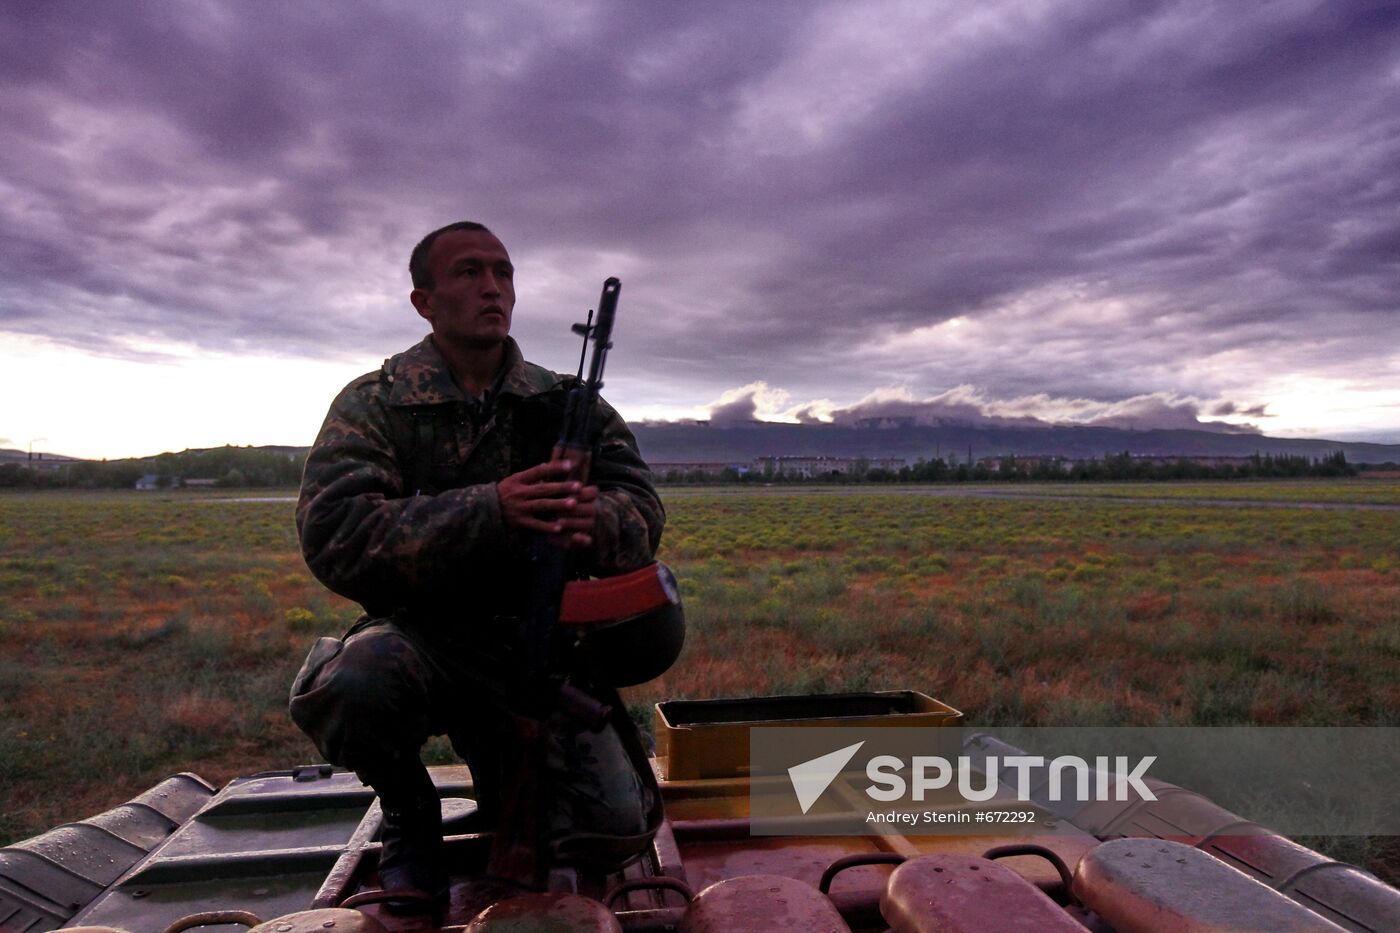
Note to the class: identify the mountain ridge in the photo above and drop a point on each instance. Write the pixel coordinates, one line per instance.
(691, 442)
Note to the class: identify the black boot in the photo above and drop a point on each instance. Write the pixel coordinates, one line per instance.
(411, 853)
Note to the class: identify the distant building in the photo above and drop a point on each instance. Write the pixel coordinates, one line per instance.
(818, 467)
(48, 463)
(148, 482)
(679, 469)
(1029, 464)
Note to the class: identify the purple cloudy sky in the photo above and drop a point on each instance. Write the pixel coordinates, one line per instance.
(1140, 213)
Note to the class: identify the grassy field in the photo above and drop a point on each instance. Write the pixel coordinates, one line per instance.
(142, 634)
(1316, 491)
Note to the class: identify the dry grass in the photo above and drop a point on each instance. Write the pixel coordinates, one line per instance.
(1045, 613)
(146, 634)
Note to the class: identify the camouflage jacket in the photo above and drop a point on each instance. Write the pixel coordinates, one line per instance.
(399, 510)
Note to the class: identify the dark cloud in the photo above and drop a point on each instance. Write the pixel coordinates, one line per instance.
(1146, 413)
(958, 407)
(1096, 200)
(1230, 408)
(966, 406)
(743, 410)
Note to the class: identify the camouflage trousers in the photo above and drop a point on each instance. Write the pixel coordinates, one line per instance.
(369, 702)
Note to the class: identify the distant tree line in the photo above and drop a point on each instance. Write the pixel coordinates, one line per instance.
(226, 466)
(1123, 466)
(255, 467)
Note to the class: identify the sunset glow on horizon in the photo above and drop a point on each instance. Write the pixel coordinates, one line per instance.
(1182, 216)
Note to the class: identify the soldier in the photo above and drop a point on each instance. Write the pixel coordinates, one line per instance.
(419, 501)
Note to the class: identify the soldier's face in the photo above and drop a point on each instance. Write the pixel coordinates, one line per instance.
(473, 291)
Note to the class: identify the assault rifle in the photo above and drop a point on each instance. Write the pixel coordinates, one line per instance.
(519, 851)
(614, 632)
(551, 562)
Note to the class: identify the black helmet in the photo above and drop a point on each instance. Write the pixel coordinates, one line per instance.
(642, 647)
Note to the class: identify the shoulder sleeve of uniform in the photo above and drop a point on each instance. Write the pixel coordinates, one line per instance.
(531, 379)
(369, 381)
(361, 535)
(630, 514)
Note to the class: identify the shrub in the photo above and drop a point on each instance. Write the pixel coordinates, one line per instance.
(1088, 573)
(1306, 602)
(300, 619)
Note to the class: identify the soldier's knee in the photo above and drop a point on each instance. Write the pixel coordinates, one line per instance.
(373, 670)
(364, 668)
(370, 698)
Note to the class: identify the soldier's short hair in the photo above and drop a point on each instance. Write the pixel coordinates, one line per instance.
(418, 269)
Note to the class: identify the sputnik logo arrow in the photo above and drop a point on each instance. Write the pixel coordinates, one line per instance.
(811, 778)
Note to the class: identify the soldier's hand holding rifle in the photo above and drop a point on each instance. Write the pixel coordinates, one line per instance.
(546, 499)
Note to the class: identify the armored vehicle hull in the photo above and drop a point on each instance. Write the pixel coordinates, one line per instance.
(297, 850)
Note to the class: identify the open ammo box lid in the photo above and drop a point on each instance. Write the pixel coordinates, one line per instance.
(697, 739)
